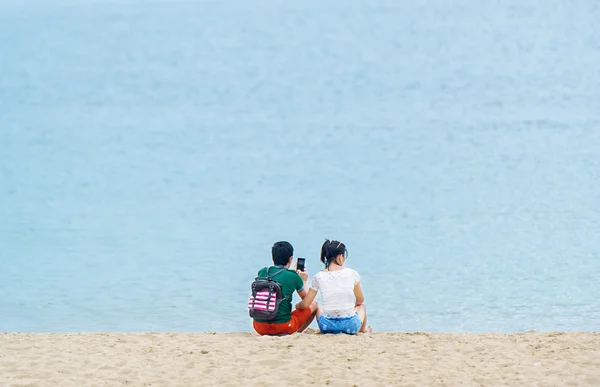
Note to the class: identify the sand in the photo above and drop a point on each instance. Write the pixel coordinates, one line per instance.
(246, 359)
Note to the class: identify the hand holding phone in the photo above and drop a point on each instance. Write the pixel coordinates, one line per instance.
(300, 264)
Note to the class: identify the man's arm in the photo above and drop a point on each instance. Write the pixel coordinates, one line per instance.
(302, 287)
(303, 293)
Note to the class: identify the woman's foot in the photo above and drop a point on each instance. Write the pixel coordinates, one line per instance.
(367, 329)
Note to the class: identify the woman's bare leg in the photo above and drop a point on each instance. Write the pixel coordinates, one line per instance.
(362, 315)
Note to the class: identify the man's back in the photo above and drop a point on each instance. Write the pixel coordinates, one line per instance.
(290, 282)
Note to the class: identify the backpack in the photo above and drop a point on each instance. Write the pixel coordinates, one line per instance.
(266, 297)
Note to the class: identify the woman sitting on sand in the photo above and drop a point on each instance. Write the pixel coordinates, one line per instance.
(342, 309)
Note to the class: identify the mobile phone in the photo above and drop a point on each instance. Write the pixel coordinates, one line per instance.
(300, 264)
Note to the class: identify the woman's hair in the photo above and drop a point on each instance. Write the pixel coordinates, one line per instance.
(331, 250)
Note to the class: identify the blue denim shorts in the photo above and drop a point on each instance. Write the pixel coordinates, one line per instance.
(349, 325)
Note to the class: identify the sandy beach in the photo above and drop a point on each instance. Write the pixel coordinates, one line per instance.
(246, 359)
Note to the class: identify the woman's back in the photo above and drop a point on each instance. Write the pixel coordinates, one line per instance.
(337, 291)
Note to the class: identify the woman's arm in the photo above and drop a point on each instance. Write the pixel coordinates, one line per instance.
(306, 301)
(358, 294)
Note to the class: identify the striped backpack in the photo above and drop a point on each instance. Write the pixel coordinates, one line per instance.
(266, 297)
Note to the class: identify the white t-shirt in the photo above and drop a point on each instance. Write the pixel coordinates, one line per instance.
(337, 291)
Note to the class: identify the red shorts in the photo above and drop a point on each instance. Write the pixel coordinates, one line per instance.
(299, 317)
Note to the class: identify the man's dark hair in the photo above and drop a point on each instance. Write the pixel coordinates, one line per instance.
(282, 251)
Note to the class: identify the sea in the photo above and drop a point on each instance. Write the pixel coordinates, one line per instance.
(151, 153)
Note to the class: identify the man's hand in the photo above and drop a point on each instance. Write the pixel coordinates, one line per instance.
(303, 274)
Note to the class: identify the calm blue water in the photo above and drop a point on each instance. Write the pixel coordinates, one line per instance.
(152, 152)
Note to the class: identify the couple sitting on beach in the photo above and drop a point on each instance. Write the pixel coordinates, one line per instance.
(342, 309)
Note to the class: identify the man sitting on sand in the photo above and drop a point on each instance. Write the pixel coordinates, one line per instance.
(286, 322)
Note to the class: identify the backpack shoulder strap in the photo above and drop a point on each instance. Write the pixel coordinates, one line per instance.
(270, 277)
(277, 272)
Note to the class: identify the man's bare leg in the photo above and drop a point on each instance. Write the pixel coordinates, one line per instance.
(313, 310)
